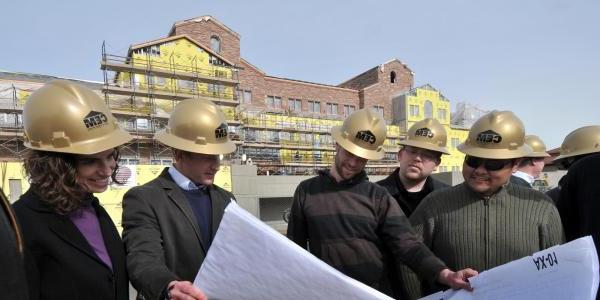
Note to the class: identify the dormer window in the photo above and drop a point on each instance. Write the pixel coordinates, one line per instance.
(215, 44)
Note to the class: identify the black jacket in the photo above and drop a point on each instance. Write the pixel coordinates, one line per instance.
(519, 181)
(60, 263)
(579, 201)
(162, 235)
(13, 283)
(395, 187)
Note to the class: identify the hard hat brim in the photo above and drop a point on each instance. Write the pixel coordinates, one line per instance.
(538, 154)
(574, 153)
(423, 145)
(522, 151)
(190, 146)
(336, 133)
(112, 140)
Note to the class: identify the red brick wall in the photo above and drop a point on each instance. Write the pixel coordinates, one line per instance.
(366, 90)
(306, 91)
(202, 31)
(262, 86)
(382, 93)
(253, 80)
(363, 80)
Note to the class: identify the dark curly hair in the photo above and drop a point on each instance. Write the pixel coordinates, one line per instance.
(53, 176)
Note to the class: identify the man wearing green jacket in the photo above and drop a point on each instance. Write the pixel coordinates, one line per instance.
(486, 221)
(355, 225)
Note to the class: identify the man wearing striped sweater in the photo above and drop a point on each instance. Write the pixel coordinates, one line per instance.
(355, 225)
(485, 221)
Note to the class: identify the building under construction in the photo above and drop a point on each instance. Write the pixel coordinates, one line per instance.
(280, 125)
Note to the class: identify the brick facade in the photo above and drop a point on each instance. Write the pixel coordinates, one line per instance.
(203, 28)
(382, 92)
(369, 89)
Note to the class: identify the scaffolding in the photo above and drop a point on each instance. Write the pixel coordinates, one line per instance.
(466, 114)
(298, 145)
(12, 100)
(142, 91)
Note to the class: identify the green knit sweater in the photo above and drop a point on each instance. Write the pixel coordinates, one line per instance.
(466, 230)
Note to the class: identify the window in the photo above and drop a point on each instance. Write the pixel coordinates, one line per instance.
(428, 109)
(220, 73)
(155, 50)
(314, 106)
(187, 85)
(215, 44)
(441, 114)
(348, 109)
(378, 109)
(455, 169)
(414, 110)
(295, 104)
(393, 77)
(213, 60)
(332, 108)
(245, 97)
(142, 124)
(273, 102)
(216, 90)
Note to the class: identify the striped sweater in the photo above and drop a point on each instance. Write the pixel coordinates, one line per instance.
(465, 229)
(358, 228)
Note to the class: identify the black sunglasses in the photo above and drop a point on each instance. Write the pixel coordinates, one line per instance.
(488, 164)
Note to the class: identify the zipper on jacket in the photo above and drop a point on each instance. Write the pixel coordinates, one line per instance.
(486, 207)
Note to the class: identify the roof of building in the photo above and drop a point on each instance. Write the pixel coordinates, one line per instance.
(428, 87)
(176, 37)
(310, 83)
(40, 78)
(202, 19)
(381, 66)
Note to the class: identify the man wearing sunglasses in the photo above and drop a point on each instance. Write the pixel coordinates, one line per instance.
(420, 155)
(486, 221)
(355, 225)
(530, 168)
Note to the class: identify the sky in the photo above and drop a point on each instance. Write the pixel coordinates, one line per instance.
(539, 58)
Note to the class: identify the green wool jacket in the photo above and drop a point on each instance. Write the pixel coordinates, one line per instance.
(467, 230)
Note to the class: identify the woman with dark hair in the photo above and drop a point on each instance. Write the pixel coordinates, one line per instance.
(72, 247)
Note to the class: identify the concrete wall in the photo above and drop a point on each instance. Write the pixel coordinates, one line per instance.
(267, 197)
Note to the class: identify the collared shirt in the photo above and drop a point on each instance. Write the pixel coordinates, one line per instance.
(182, 181)
(524, 176)
(200, 202)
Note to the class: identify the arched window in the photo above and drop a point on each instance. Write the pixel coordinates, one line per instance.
(393, 77)
(215, 44)
(428, 109)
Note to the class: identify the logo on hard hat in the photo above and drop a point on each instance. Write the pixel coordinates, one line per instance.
(221, 131)
(425, 132)
(95, 119)
(366, 136)
(489, 136)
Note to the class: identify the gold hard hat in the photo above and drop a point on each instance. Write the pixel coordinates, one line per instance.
(197, 126)
(538, 146)
(63, 116)
(362, 134)
(580, 141)
(427, 134)
(496, 135)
